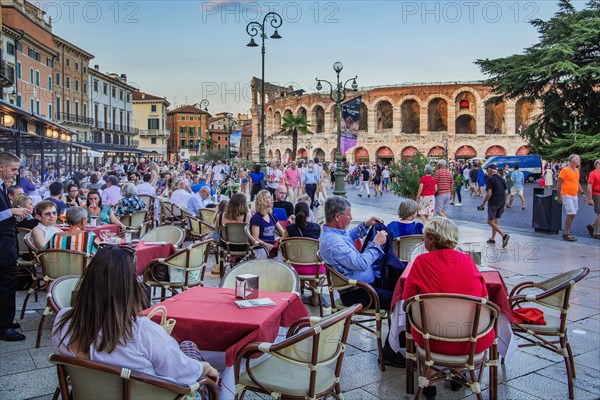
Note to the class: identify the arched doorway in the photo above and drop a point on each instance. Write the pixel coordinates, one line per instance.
(278, 155)
(363, 120)
(466, 124)
(523, 115)
(437, 115)
(436, 152)
(302, 153)
(465, 153)
(287, 154)
(320, 154)
(385, 155)
(385, 115)
(495, 151)
(409, 152)
(277, 121)
(270, 155)
(361, 156)
(411, 121)
(319, 117)
(523, 151)
(333, 155)
(494, 119)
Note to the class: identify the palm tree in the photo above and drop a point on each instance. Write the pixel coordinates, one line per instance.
(293, 125)
(209, 143)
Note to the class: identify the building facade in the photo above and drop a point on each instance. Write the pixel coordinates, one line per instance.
(150, 122)
(396, 121)
(29, 37)
(111, 108)
(188, 125)
(71, 88)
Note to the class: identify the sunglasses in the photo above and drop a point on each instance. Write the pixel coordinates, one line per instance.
(50, 214)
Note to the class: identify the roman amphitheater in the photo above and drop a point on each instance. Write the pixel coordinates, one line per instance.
(398, 120)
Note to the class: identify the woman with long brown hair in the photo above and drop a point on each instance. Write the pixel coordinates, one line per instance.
(104, 324)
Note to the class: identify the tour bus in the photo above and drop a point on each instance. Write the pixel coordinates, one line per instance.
(531, 166)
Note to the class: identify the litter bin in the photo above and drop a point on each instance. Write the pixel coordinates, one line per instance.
(547, 213)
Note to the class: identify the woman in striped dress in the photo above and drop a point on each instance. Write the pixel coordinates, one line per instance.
(76, 238)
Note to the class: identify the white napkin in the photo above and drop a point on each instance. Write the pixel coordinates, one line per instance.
(154, 243)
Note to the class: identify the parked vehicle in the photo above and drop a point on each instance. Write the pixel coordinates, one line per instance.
(531, 166)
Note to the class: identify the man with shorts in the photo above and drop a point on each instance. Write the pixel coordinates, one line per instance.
(445, 181)
(568, 188)
(497, 192)
(517, 179)
(594, 199)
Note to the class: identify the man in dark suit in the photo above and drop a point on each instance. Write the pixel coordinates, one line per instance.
(9, 169)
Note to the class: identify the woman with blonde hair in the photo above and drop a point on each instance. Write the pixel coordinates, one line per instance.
(28, 222)
(263, 224)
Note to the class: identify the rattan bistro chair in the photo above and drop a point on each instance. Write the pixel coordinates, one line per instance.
(137, 222)
(27, 264)
(186, 269)
(170, 214)
(299, 251)
(207, 215)
(451, 318)
(402, 245)
(339, 283)
(273, 276)
(170, 234)
(198, 229)
(306, 365)
(91, 380)
(233, 244)
(55, 264)
(553, 293)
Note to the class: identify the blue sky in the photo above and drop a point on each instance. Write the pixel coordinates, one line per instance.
(190, 50)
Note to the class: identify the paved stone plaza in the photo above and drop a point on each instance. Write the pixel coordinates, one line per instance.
(533, 373)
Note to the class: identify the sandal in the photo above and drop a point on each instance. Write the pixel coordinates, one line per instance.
(569, 238)
(491, 241)
(597, 236)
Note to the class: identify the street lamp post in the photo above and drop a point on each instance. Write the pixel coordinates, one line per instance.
(576, 123)
(230, 120)
(253, 29)
(337, 94)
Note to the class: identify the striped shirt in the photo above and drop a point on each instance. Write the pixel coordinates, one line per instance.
(444, 180)
(83, 241)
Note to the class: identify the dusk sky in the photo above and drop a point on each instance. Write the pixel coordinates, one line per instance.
(190, 50)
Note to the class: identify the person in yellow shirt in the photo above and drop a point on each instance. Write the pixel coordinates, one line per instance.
(568, 188)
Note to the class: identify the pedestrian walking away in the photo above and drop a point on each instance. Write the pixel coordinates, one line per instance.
(517, 179)
(594, 199)
(568, 188)
(496, 200)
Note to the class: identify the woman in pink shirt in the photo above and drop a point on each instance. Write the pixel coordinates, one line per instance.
(426, 194)
(292, 177)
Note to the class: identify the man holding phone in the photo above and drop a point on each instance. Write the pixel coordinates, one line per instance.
(497, 192)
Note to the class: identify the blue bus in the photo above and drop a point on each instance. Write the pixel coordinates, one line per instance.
(531, 166)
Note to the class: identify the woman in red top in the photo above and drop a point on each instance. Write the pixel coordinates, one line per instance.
(426, 194)
(445, 270)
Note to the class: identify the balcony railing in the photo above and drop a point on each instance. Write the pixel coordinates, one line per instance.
(76, 119)
(7, 75)
(155, 132)
(114, 127)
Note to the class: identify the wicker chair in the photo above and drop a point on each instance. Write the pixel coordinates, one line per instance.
(402, 245)
(97, 381)
(199, 230)
(553, 293)
(306, 365)
(273, 276)
(255, 243)
(170, 234)
(299, 251)
(233, 243)
(27, 265)
(338, 282)
(469, 318)
(148, 200)
(137, 222)
(60, 292)
(170, 213)
(207, 215)
(186, 269)
(55, 264)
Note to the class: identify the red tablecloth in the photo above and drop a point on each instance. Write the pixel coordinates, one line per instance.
(210, 318)
(146, 253)
(494, 283)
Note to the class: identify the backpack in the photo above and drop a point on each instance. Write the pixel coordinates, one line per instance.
(389, 267)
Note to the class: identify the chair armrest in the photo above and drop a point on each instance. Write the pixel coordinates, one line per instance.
(521, 286)
(374, 303)
(296, 326)
(149, 270)
(210, 385)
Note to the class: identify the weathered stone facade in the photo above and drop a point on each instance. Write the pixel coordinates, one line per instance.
(398, 120)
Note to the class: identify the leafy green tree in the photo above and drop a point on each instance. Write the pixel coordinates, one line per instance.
(406, 175)
(209, 143)
(220, 154)
(562, 73)
(292, 125)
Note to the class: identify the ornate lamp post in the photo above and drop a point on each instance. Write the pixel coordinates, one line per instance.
(576, 123)
(253, 29)
(337, 94)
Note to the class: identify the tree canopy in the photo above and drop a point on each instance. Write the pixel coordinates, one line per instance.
(562, 74)
(293, 125)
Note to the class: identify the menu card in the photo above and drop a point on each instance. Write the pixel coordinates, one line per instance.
(264, 302)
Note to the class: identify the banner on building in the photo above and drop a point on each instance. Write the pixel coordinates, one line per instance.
(350, 120)
(234, 143)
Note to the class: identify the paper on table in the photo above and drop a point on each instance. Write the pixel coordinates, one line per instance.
(485, 269)
(154, 243)
(255, 303)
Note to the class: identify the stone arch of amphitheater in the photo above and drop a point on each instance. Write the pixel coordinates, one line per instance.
(431, 118)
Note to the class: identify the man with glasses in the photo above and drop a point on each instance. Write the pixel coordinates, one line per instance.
(9, 168)
(337, 250)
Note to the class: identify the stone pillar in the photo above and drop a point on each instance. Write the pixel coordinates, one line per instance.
(480, 127)
(510, 118)
(451, 120)
(423, 123)
(397, 121)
